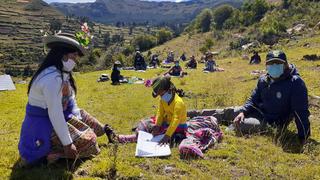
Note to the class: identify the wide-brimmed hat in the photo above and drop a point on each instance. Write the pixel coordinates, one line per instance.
(276, 55)
(64, 40)
(161, 84)
(117, 63)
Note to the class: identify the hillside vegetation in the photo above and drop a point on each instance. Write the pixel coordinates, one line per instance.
(23, 24)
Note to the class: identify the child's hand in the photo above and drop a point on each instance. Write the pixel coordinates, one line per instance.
(155, 130)
(165, 140)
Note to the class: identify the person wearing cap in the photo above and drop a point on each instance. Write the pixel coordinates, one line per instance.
(192, 64)
(54, 126)
(171, 115)
(139, 62)
(115, 75)
(280, 96)
(176, 70)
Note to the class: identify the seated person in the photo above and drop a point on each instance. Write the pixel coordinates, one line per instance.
(139, 62)
(183, 57)
(175, 70)
(211, 65)
(171, 116)
(170, 58)
(280, 97)
(154, 61)
(116, 78)
(192, 64)
(255, 59)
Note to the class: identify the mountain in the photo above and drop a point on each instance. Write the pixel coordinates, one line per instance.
(22, 26)
(129, 11)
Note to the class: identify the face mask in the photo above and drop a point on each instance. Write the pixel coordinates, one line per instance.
(177, 64)
(68, 65)
(275, 70)
(118, 68)
(166, 97)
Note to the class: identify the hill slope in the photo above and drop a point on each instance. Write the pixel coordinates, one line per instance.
(255, 157)
(21, 23)
(129, 11)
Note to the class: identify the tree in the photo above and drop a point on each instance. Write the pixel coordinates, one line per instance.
(164, 35)
(144, 42)
(221, 14)
(204, 20)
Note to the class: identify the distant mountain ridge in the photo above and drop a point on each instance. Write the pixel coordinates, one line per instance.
(129, 11)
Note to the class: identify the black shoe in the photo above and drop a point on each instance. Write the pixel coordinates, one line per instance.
(109, 132)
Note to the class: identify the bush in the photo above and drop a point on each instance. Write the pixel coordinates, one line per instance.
(207, 46)
(164, 35)
(203, 20)
(144, 42)
(129, 49)
(221, 14)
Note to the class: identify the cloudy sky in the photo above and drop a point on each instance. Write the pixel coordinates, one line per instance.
(82, 1)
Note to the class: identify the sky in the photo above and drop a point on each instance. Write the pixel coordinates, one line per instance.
(83, 1)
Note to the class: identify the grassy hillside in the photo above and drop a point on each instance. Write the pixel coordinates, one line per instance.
(250, 157)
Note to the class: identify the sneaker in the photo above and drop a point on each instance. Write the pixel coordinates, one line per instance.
(110, 133)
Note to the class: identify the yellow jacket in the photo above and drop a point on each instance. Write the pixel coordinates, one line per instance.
(174, 114)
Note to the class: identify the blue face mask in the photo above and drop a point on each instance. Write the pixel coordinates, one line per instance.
(166, 97)
(177, 64)
(275, 70)
(118, 68)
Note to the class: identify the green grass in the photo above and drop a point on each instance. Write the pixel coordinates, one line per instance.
(255, 157)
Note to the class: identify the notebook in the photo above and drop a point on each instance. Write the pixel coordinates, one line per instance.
(148, 146)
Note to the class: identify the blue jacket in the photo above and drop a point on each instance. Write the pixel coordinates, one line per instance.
(280, 100)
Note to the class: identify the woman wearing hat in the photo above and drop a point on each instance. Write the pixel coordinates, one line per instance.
(171, 115)
(54, 126)
(115, 75)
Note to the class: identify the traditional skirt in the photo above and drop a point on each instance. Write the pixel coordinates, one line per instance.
(38, 140)
(84, 134)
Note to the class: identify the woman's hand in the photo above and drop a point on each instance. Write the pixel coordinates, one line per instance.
(155, 130)
(237, 120)
(70, 151)
(165, 140)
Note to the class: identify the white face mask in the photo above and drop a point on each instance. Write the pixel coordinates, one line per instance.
(68, 65)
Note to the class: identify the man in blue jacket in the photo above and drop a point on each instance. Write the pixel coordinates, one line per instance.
(280, 96)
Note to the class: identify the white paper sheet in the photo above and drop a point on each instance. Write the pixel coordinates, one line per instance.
(148, 146)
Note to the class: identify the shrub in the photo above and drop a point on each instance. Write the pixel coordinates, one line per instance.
(221, 14)
(144, 42)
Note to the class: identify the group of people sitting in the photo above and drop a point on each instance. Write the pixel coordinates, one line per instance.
(55, 127)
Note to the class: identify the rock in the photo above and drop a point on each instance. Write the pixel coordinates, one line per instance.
(311, 57)
(296, 28)
(168, 169)
(317, 26)
(314, 101)
(245, 57)
(250, 45)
